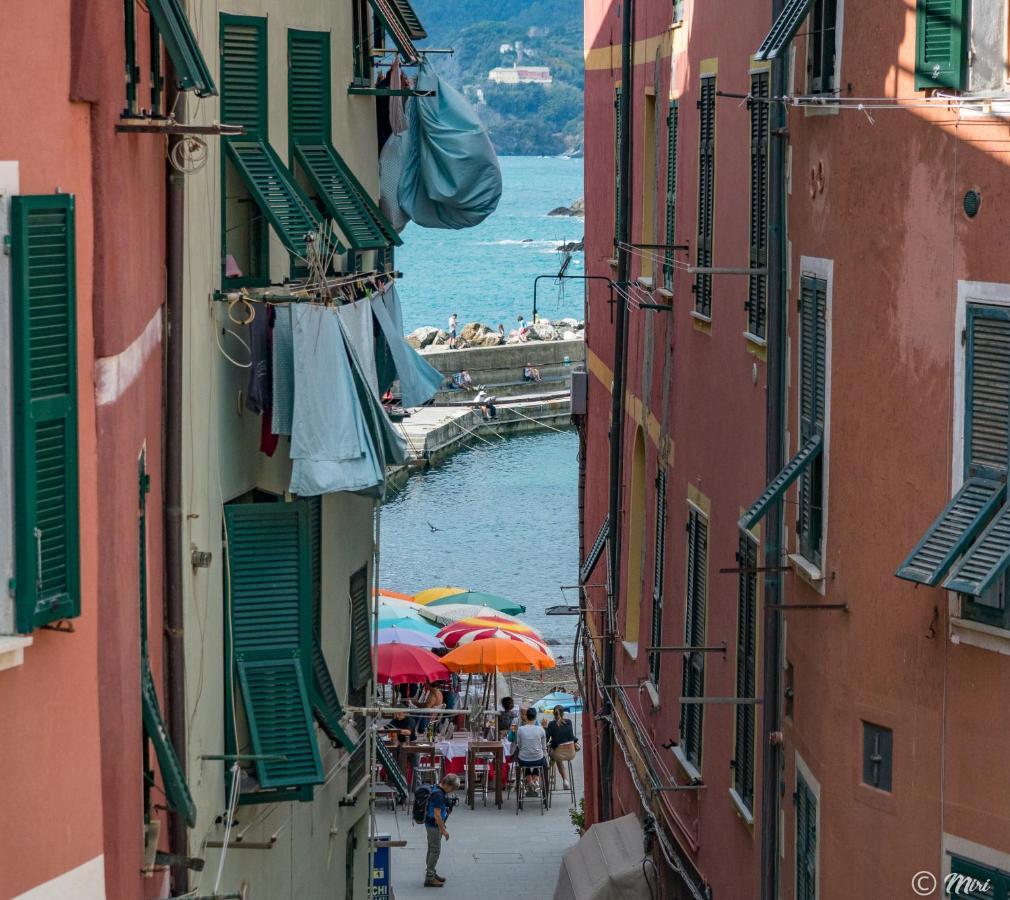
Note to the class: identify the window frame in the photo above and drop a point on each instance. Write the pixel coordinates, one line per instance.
(748, 592)
(881, 737)
(695, 607)
(806, 783)
(815, 38)
(757, 285)
(659, 577)
(670, 221)
(362, 41)
(707, 156)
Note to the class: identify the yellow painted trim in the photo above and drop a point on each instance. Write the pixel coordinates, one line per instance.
(755, 529)
(650, 90)
(760, 65)
(702, 325)
(609, 57)
(699, 499)
(709, 67)
(604, 374)
(756, 348)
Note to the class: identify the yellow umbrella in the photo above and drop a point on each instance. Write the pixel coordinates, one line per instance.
(437, 593)
(496, 655)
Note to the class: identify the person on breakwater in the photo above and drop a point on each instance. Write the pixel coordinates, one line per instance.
(452, 331)
(523, 329)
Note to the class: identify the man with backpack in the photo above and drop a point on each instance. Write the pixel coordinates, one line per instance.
(433, 806)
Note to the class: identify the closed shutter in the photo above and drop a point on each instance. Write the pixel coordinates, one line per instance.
(746, 669)
(398, 30)
(940, 43)
(183, 49)
(309, 110)
(806, 841)
(706, 195)
(618, 125)
(813, 350)
(757, 293)
(655, 658)
(692, 714)
(987, 391)
(410, 20)
(172, 774)
(244, 74)
(672, 128)
(270, 593)
(44, 356)
(784, 29)
(361, 632)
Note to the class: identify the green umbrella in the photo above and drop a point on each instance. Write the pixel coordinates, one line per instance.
(412, 622)
(479, 598)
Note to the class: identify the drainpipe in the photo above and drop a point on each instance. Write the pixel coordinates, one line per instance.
(174, 645)
(775, 427)
(617, 409)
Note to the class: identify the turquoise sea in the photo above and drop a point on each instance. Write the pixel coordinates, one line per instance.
(502, 517)
(485, 274)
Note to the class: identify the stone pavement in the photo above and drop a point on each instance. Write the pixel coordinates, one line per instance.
(490, 853)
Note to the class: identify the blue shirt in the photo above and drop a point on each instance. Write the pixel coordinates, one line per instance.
(437, 800)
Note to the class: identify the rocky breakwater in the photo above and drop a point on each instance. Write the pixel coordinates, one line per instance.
(476, 334)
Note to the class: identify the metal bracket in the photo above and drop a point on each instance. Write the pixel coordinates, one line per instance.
(201, 559)
(63, 626)
(175, 860)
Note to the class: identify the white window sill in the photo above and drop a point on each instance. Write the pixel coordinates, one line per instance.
(701, 317)
(754, 339)
(807, 571)
(978, 634)
(653, 693)
(631, 648)
(645, 281)
(664, 293)
(741, 808)
(612, 263)
(12, 650)
(688, 767)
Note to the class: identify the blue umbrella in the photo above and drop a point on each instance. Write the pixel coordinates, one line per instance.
(397, 634)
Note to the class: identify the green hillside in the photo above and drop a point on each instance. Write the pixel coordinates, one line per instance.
(523, 119)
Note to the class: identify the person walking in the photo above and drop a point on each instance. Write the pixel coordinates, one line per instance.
(452, 331)
(531, 750)
(440, 804)
(561, 743)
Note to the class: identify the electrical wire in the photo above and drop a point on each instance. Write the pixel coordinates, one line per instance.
(236, 779)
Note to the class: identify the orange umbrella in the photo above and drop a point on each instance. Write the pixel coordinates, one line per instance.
(395, 595)
(496, 655)
(436, 593)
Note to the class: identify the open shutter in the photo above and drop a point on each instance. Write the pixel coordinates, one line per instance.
(172, 773)
(410, 20)
(691, 714)
(655, 658)
(618, 127)
(269, 567)
(757, 293)
(780, 483)
(44, 356)
(940, 43)
(361, 632)
(987, 391)
(595, 551)
(954, 529)
(672, 127)
(784, 29)
(987, 559)
(183, 49)
(706, 195)
(394, 773)
(285, 207)
(391, 21)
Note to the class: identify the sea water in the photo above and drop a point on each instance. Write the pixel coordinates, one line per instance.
(485, 274)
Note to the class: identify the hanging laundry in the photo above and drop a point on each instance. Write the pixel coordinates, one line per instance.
(419, 381)
(392, 155)
(259, 390)
(283, 375)
(450, 176)
(359, 329)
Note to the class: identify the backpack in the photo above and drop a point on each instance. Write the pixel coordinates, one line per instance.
(421, 797)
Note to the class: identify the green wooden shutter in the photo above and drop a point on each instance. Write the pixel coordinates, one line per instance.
(655, 658)
(941, 43)
(987, 559)
(44, 356)
(309, 103)
(784, 29)
(987, 391)
(806, 841)
(398, 30)
(361, 631)
(183, 49)
(394, 773)
(172, 774)
(244, 74)
(952, 531)
(757, 292)
(283, 204)
(618, 126)
(813, 351)
(270, 587)
(692, 714)
(593, 557)
(410, 19)
(672, 127)
(780, 483)
(706, 195)
(746, 669)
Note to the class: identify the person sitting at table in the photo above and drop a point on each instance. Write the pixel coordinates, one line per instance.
(432, 698)
(530, 751)
(561, 742)
(402, 726)
(507, 715)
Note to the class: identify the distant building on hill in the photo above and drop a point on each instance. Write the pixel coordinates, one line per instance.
(520, 75)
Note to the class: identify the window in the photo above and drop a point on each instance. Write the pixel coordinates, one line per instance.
(941, 44)
(821, 55)
(44, 363)
(636, 546)
(671, 193)
(362, 41)
(311, 150)
(969, 879)
(813, 349)
(678, 11)
(757, 292)
(706, 196)
(650, 186)
(269, 647)
(878, 745)
(692, 714)
(360, 657)
(656, 657)
(618, 122)
(806, 840)
(389, 19)
(746, 670)
(987, 61)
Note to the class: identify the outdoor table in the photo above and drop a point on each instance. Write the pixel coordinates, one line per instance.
(404, 751)
(498, 749)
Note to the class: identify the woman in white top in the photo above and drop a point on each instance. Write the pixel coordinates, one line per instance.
(531, 750)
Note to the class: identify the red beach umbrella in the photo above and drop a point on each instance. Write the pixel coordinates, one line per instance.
(450, 634)
(403, 663)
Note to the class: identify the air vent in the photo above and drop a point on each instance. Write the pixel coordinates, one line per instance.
(972, 202)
